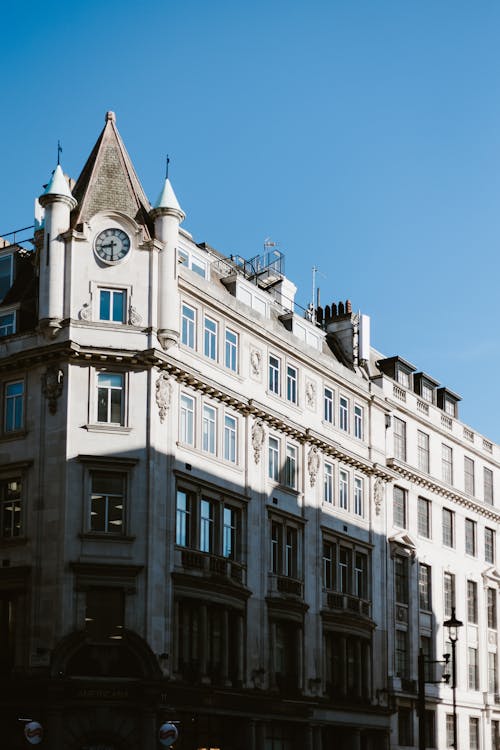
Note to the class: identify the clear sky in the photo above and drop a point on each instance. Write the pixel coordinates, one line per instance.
(363, 137)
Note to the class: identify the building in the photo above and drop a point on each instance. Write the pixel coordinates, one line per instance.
(218, 510)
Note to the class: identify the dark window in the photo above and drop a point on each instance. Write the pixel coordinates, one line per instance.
(104, 614)
(107, 502)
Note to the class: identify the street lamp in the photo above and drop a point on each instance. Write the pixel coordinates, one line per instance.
(453, 625)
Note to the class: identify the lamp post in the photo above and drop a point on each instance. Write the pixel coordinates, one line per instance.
(453, 625)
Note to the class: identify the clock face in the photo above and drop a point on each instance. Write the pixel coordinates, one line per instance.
(112, 245)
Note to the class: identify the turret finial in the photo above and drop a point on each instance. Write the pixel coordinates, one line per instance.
(59, 152)
(166, 170)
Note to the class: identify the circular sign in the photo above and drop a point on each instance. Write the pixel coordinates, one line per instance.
(167, 734)
(33, 731)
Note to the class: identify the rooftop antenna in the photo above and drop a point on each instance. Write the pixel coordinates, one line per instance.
(59, 152)
(315, 294)
(166, 170)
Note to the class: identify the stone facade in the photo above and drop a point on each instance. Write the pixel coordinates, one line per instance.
(221, 512)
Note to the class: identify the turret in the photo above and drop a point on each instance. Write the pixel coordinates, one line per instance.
(58, 204)
(167, 215)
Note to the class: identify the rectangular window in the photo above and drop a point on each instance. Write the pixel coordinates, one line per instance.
(449, 594)
(361, 575)
(183, 519)
(469, 475)
(424, 587)
(231, 350)
(206, 540)
(399, 439)
(188, 321)
(472, 602)
(208, 524)
(473, 669)
(470, 537)
(328, 483)
(230, 531)
(7, 324)
(358, 496)
(447, 463)
(358, 421)
(110, 398)
(427, 392)
(284, 549)
(104, 614)
(328, 405)
(401, 654)
(10, 507)
(274, 459)
(424, 517)
(210, 338)
(6, 274)
(492, 673)
(399, 508)
(495, 735)
(489, 545)
(488, 486)
(328, 565)
(430, 728)
(291, 384)
(343, 490)
(473, 733)
(209, 431)
(230, 438)
(405, 726)
(343, 414)
(448, 528)
(401, 579)
(274, 375)
(113, 305)
(14, 406)
(450, 736)
(107, 502)
(187, 420)
(291, 466)
(345, 570)
(492, 608)
(423, 451)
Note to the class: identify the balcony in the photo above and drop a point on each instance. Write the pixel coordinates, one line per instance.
(211, 565)
(279, 584)
(348, 603)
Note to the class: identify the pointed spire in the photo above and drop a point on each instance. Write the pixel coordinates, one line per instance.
(58, 184)
(168, 199)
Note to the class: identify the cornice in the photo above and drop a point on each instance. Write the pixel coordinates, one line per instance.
(438, 488)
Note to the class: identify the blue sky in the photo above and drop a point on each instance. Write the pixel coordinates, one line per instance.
(363, 137)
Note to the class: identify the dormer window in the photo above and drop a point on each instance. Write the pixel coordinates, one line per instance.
(427, 391)
(6, 274)
(448, 401)
(403, 377)
(425, 386)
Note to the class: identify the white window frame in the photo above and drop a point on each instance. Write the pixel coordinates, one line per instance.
(7, 328)
(209, 429)
(328, 404)
(12, 401)
(358, 421)
(343, 489)
(291, 466)
(113, 291)
(399, 438)
(274, 374)
(273, 458)
(469, 476)
(423, 451)
(447, 463)
(109, 390)
(231, 350)
(230, 438)
(328, 483)
(187, 419)
(344, 413)
(292, 384)
(188, 326)
(358, 496)
(210, 338)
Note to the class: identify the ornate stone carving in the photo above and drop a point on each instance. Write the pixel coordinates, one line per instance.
(133, 316)
(258, 436)
(313, 465)
(52, 386)
(311, 394)
(85, 311)
(163, 395)
(378, 494)
(256, 362)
